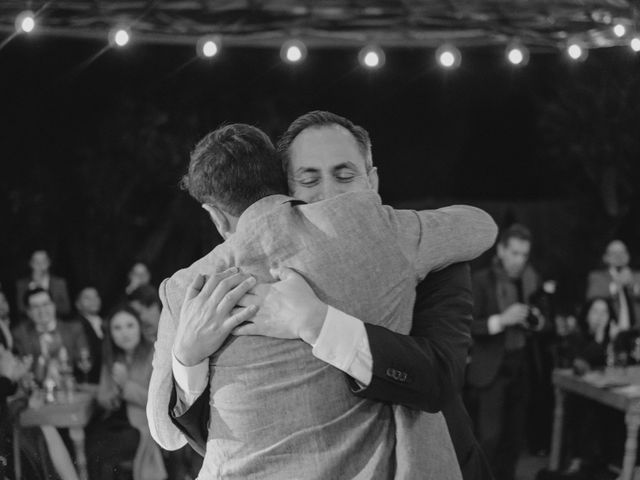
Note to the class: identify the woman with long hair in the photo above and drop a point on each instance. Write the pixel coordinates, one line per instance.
(120, 437)
(597, 332)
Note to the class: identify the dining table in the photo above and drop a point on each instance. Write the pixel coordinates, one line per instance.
(72, 411)
(616, 387)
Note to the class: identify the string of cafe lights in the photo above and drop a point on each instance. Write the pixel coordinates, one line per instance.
(371, 56)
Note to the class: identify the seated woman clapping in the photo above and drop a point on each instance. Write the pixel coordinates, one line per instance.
(120, 436)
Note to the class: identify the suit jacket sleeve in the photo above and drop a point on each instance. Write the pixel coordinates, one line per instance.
(194, 422)
(434, 355)
(162, 429)
(434, 239)
(7, 388)
(481, 308)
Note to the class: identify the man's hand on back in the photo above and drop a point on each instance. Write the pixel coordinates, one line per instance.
(288, 308)
(208, 316)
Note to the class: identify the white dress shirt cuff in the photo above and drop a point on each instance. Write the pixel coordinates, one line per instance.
(494, 325)
(343, 343)
(190, 382)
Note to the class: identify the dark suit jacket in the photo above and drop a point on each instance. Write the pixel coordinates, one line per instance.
(57, 289)
(27, 340)
(95, 348)
(434, 355)
(488, 350)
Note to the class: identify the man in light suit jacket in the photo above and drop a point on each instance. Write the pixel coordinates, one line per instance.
(41, 278)
(619, 283)
(329, 241)
(325, 155)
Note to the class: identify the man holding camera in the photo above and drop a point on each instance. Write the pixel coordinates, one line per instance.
(497, 374)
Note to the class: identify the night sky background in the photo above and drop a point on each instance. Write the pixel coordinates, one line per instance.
(92, 149)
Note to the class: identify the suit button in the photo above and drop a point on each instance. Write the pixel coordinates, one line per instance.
(397, 375)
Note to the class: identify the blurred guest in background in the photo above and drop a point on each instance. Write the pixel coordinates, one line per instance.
(41, 278)
(6, 339)
(119, 439)
(618, 282)
(146, 302)
(589, 347)
(593, 341)
(138, 276)
(42, 335)
(43, 455)
(89, 361)
(11, 371)
(497, 375)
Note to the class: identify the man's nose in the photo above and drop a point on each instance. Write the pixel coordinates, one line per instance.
(330, 190)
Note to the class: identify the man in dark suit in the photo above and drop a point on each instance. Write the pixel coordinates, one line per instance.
(618, 282)
(497, 373)
(41, 278)
(88, 304)
(42, 334)
(423, 370)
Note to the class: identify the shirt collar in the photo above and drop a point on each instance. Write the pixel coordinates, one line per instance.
(261, 207)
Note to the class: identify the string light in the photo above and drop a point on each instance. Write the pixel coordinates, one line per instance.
(576, 51)
(619, 30)
(517, 54)
(119, 36)
(25, 22)
(208, 46)
(448, 56)
(635, 44)
(293, 51)
(371, 57)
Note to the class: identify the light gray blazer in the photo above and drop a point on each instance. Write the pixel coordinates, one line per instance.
(277, 411)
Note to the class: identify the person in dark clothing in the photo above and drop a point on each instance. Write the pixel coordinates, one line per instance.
(498, 373)
(89, 359)
(591, 347)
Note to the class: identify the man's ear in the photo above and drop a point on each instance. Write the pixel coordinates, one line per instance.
(373, 178)
(219, 219)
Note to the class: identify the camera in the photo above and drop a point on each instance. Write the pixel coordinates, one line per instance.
(534, 320)
(540, 306)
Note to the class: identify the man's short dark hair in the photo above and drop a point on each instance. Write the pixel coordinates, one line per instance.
(32, 292)
(517, 231)
(86, 287)
(147, 295)
(233, 167)
(317, 119)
